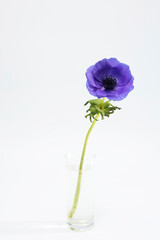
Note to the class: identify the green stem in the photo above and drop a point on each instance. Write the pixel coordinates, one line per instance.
(76, 197)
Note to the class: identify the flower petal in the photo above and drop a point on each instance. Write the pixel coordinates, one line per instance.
(101, 69)
(91, 89)
(101, 93)
(120, 92)
(113, 62)
(122, 73)
(91, 79)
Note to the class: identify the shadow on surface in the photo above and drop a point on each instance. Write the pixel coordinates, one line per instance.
(29, 227)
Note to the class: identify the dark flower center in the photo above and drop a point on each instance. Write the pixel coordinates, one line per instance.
(109, 82)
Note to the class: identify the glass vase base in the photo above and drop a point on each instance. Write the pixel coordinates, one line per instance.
(80, 225)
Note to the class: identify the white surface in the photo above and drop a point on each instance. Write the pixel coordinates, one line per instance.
(45, 49)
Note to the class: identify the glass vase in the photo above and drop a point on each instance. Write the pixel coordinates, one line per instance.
(83, 216)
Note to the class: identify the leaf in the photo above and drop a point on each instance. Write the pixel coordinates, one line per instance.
(97, 106)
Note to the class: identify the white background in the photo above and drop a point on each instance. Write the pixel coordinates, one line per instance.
(45, 49)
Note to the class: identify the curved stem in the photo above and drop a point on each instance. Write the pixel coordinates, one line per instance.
(76, 197)
(80, 170)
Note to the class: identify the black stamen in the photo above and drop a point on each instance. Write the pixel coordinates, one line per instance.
(109, 82)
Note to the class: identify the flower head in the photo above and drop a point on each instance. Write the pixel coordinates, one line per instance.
(109, 78)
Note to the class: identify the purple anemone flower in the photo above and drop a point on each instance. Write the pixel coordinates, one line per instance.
(109, 78)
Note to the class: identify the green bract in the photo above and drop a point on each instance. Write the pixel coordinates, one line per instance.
(98, 107)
